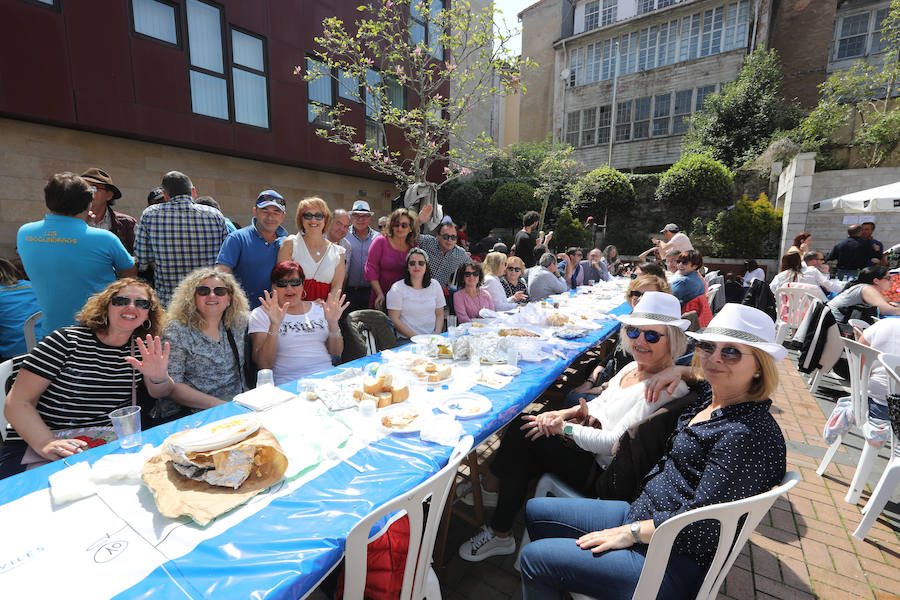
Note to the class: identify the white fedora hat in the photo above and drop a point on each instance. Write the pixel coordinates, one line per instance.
(656, 308)
(743, 325)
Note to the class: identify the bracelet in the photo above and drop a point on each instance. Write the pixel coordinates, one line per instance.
(334, 334)
(271, 332)
(153, 381)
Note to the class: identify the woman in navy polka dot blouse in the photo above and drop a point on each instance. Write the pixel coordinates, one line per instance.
(725, 447)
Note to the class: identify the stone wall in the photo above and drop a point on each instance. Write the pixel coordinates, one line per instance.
(30, 153)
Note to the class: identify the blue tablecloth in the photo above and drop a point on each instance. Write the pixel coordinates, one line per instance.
(284, 550)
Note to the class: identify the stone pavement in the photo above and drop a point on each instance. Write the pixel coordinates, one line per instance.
(802, 549)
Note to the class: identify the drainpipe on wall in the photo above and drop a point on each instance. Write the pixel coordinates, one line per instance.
(755, 25)
(564, 75)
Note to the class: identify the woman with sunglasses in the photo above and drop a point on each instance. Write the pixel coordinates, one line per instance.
(207, 326)
(416, 303)
(690, 288)
(513, 280)
(495, 265)
(386, 262)
(557, 442)
(321, 260)
(468, 301)
(725, 447)
(292, 336)
(51, 394)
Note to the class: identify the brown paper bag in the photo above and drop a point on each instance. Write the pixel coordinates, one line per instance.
(178, 495)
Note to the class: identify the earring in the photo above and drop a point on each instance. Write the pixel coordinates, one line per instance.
(146, 323)
(756, 376)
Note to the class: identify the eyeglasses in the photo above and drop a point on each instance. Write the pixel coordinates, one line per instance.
(416, 263)
(92, 190)
(728, 353)
(402, 225)
(470, 274)
(651, 336)
(683, 261)
(448, 236)
(308, 216)
(635, 294)
(283, 283)
(141, 303)
(203, 290)
(577, 254)
(516, 269)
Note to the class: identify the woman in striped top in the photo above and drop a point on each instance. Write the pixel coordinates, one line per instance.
(77, 375)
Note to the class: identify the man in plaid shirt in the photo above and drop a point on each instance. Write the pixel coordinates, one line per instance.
(178, 236)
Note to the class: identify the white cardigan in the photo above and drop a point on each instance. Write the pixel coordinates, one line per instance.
(493, 287)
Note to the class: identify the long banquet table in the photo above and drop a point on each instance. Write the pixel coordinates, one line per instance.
(280, 550)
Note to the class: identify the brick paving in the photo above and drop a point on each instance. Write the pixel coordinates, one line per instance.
(802, 549)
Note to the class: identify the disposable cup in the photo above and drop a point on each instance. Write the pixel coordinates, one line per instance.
(265, 377)
(127, 423)
(367, 408)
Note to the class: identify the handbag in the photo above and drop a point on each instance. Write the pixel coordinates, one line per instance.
(893, 403)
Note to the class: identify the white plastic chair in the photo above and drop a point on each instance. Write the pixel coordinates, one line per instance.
(422, 534)
(798, 302)
(6, 369)
(858, 326)
(548, 485)
(711, 292)
(731, 539)
(30, 338)
(861, 359)
(890, 479)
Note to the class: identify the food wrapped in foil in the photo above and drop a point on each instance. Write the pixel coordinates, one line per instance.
(461, 348)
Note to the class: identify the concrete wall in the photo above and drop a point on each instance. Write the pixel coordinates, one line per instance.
(541, 27)
(30, 153)
(801, 31)
(799, 187)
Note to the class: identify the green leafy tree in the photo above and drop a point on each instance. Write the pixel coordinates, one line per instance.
(569, 232)
(466, 205)
(694, 180)
(603, 189)
(510, 202)
(556, 174)
(737, 123)
(378, 53)
(746, 229)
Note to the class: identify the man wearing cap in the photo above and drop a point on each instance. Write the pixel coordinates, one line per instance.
(66, 260)
(178, 235)
(101, 214)
(674, 240)
(359, 239)
(250, 253)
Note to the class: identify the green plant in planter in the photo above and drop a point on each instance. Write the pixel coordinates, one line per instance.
(694, 180)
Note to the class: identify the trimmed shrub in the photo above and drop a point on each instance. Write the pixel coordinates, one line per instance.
(600, 190)
(694, 180)
(510, 202)
(745, 230)
(568, 232)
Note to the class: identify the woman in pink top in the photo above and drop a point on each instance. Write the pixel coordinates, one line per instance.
(468, 301)
(386, 262)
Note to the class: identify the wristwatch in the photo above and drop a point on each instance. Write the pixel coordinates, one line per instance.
(636, 532)
(569, 430)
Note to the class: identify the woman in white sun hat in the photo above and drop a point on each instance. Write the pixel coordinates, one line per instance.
(726, 447)
(534, 445)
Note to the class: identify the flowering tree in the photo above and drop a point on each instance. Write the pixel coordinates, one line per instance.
(420, 68)
(557, 173)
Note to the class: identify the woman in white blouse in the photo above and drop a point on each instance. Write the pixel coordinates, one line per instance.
(416, 303)
(322, 261)
(494, 267)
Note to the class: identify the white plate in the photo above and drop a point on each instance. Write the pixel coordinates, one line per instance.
(218, 434)
(466, 405)
(538, 337)
(395, 409)
(427, 338)
(507, 371)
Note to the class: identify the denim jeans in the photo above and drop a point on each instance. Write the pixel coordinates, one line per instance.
(572, 398)
(553, 564)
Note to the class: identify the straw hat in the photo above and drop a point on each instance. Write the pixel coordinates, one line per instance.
(743, 325)
(656, 308)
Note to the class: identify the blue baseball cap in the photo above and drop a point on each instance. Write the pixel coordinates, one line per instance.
(270, 198)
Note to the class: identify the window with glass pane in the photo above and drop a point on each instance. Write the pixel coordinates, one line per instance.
(604, 120)
(878, 32)
(641, 118)
(623, 121)
(592, 63)
(249, 80)
(154, 19)
(435, 48)
(589, 127)
(702, 93)
(373, 98)
(348, 86)
(668, 43)
(572, 122)
(853, 34)
(209, 95)
(682, 112)
(630, 58)
(375, 134)
(576, 64)
(647, 52)
(319, 91)
(689, 42)
(607, 60)
(645, 6)
(395, 93)
(711, 41)
(205, 35)
(610, 10)
(661, 111)
(592, 15)
(664, 3)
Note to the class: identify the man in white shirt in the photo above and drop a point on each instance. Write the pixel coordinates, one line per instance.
(817, 269)
(675, 240)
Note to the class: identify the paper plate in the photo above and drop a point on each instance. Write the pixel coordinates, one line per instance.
(395, 411)
(219, 434)
(570, 333)
(466, 405)
(507, 370)
(427, 338)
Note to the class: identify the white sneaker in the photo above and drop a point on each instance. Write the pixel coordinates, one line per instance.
(485, 544)
(488, 499)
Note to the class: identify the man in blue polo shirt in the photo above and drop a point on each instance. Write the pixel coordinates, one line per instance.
(66, 260)
(250, 252)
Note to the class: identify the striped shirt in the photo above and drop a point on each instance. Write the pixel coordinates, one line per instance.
(88, 379)
(178, 236)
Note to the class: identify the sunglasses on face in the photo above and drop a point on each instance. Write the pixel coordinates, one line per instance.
(516, 269)
(448, 236)
(416, 263)
(470, 274)
(728, 353)
(308, 216)
(283, 283)
(402, 225)
(141, 303)
(635, 294)
(204, 290)
(651, 336)
(683, 261)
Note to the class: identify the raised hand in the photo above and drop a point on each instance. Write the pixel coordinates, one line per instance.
(155, 358)
(334, 307)
(270, 306)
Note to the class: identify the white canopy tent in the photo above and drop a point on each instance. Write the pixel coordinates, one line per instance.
(885, 198)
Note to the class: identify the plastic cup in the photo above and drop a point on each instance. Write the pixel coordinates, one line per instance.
(512, 355)
(265, 377)
(591, 282)
(451, 326)
(127, 423)
(366, 408)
